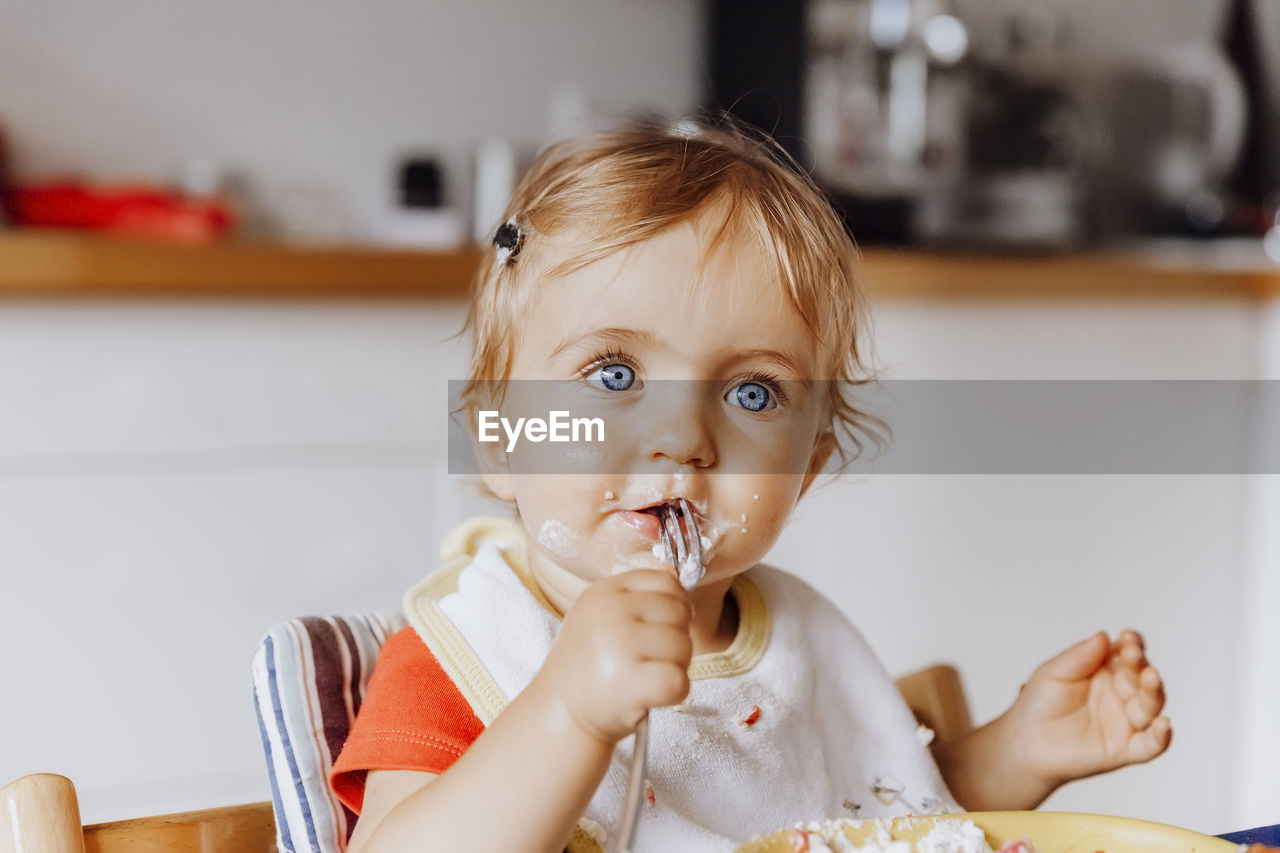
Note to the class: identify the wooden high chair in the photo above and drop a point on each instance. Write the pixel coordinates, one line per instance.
(40, 814)
(936, 696)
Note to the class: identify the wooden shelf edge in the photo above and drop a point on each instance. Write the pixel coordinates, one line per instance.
(57, 264)
(907, 274)
(65, 265)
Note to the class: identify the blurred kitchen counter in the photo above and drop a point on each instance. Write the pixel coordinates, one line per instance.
(55, 264)
(58, 264)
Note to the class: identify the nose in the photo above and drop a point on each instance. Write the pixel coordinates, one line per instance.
(680, 427)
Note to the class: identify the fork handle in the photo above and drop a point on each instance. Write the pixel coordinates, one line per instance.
(634, 798)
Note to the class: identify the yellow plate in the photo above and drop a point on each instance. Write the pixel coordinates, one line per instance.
(1050, 832)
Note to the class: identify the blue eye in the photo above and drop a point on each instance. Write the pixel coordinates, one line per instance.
(751, 396)
(614, 377)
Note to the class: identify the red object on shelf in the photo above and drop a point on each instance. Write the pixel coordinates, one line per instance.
(6, 211)
(138, 210)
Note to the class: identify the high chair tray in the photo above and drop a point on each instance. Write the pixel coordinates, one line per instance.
(1048, 832)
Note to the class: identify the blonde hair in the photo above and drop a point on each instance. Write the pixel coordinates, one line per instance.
(622, 187)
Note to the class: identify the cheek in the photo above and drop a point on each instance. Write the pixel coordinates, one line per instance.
(779, 448)
(748, 514)
(767, 506)
(558, 510)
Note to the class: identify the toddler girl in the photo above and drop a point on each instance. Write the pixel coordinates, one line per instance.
(698, 268)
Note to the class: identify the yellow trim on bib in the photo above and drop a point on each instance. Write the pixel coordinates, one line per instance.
(748, 644)
(461, 544)
(582, 842)
(450, 648)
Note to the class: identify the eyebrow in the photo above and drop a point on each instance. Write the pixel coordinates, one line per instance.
(781, 359)
(625, 336)
(582, 338)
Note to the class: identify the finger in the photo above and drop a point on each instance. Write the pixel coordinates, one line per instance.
(1152, 741)
(661, 683)
(662, 644)
(1126, 683)
(1126, 667)
(656, 580)
(1130, 655)
(1148, 701)
(1081, 660)
(1128, 635)
(1151, 681)
(662, 608)
(1128, 652)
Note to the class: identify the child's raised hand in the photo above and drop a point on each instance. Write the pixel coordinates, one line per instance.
(1092, 708)
(624, 648)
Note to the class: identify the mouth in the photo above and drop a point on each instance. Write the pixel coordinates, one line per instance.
(648, 520)
(656, 507)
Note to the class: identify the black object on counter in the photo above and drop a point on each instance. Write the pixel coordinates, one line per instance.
(1256, 178)
(421, 184)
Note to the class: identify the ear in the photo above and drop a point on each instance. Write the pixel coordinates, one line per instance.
(822, 450)
(492, 459)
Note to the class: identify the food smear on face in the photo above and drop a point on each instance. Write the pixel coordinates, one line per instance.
(712, 531)
(557, 538)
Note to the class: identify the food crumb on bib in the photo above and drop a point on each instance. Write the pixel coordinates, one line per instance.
(948, 835)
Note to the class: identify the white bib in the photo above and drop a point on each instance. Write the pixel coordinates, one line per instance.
(796, 721)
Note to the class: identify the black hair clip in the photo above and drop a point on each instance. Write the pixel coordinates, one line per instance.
(509, 239)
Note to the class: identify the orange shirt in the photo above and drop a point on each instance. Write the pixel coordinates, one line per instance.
(413, 718)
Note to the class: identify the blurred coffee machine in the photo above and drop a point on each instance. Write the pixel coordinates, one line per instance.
(928, 128)
(918, 128)
(1014, 136)
(884, 101)
(1019, 173)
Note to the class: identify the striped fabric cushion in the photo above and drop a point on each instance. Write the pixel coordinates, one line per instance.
(309, 678)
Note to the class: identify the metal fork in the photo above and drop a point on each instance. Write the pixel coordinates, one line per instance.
(684, 552)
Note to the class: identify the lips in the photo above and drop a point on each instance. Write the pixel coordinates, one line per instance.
(654, 511)
(647, 520)
(655, 507)
(647, 524)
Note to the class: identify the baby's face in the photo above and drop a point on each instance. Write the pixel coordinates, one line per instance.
(737, 435)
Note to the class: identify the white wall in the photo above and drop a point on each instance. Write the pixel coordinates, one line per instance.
(175, 477)
(315, 100)
(1257, 740)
